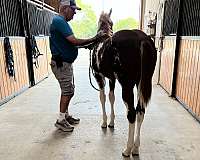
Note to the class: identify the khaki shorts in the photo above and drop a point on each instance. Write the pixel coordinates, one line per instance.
(65, 77)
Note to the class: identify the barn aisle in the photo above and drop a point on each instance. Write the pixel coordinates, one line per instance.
(27, 129)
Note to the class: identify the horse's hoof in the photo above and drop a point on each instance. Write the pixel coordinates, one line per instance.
(111, 126)
(104, 126)
(124, 155)
(135, 151)
(135, 154)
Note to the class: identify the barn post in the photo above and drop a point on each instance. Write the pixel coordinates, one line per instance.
(26, 28)
(177, 50)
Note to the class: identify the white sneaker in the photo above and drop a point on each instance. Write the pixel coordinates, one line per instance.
(64, 126)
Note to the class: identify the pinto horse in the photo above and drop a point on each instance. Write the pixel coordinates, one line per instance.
(130, 57)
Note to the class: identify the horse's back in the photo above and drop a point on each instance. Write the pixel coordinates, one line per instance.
(123, 36)
(128, 43)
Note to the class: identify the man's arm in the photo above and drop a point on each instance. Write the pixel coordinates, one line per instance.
(80, 42)
(83, 42)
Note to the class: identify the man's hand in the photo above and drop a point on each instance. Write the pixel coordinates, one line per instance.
(88, 43)
(100, 36)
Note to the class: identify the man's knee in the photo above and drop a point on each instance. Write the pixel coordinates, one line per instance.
(67, 92)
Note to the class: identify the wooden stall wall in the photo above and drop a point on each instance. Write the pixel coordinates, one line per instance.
(188, 75)
(48, 51)
(10, 86)
(167, 63)
(41, 71)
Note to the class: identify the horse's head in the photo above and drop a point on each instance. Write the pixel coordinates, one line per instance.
(105, 23)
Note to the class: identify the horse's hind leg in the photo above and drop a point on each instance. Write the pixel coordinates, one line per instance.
(140, 111)
(112, 100)
(128, 97)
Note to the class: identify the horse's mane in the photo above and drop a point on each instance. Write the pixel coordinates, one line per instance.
(105, 24)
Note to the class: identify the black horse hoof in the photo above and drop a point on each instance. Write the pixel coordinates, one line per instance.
(125, 155)
(135, 155)
(110, 126)
(103, 127)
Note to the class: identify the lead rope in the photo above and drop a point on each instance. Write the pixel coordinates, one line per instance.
(91, 69)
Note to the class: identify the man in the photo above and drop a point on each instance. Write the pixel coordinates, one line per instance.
(63, 45)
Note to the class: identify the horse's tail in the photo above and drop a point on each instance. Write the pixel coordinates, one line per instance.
(148, 62)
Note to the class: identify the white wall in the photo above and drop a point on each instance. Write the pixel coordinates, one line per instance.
(155, 7)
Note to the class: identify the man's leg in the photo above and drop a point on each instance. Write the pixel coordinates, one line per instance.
(62, 76)
(64, 103)
(64, 112)
(61, 123)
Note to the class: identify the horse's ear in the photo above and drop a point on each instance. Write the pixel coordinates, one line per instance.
(110, 12)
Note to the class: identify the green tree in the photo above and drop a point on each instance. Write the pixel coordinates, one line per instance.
(128, 23)
(86, 25)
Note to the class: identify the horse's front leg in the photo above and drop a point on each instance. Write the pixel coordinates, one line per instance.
(112, 100)
(128, 98)
(101, 82)
(102, 97)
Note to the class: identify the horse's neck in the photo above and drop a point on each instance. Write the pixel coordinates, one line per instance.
(105, 44)
(107, 30)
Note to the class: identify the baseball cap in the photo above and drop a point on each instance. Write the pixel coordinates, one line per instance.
(71, 3)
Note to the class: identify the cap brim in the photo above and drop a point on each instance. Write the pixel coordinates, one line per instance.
(75, 7)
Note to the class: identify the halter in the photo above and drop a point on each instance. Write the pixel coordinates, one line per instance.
(91, 69)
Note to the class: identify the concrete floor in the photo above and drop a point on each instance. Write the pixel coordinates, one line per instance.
(27, 129)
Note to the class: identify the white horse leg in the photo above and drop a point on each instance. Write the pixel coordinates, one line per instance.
(130, 142)
(112, 115)
(103, 100)
(140, 118)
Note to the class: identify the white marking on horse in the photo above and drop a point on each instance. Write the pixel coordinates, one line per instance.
(140, 118)
(103, 100)
(130, 142)
(112, 116)
(126, 104)
(131, 133)
(97, 53)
